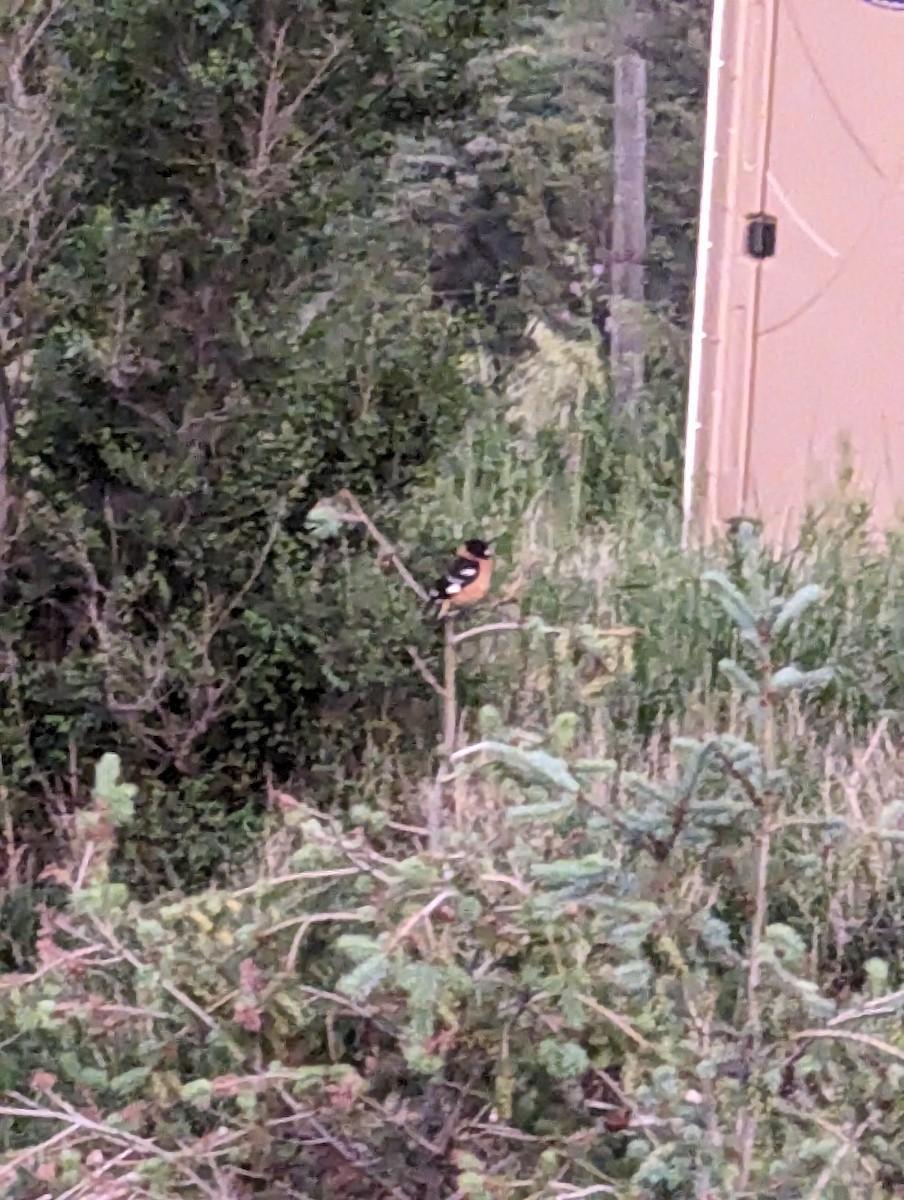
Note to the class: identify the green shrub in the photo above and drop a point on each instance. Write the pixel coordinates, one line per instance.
(613, 976)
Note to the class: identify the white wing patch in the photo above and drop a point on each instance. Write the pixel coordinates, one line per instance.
(467, 572)
(452, 587)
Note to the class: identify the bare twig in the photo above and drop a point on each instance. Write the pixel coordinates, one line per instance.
(848, 1143)
(878, 1006)
(260, 562)
(566, 1192)
(851, 1035)
(482, 631)
(176, 993)
(619, 1022)
(433, 813)
(263, 885)
(747, 1119)
(468, 751)
(74, 1120)
(276, 122)
(425, 672)
(406, 927)
(357, 516)
(304, 924)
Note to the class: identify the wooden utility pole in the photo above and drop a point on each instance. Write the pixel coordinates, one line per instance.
(629, 225)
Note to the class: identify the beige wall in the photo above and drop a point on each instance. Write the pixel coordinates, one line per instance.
(797, 354)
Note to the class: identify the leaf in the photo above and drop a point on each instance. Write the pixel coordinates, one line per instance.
(324, 520)
(789, 945)
(129, 1082)
(108, 788)
(568, 870)
(248, 1016)
(633, 977)
(734, 602)
(564, 731)
(358, 946)
(94, 1077)
(361, 980)
(489, 720)
(197, 1092)
(891, 814)
(523, 813)
(716, 934)
(791, 678)
(534, 765)
(563, 1060)
(786, 679)
(415, 872)
(739, 677)
(877, 971)
(640, 785)
(793, 608)
(815, 1003)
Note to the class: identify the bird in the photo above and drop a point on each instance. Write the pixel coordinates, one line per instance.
(465, 582)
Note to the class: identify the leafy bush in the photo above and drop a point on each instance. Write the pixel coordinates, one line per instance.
(250, 258)
(672, 977)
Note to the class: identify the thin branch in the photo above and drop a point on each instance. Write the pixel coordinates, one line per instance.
(263, 885)
(433, 813)
(276, 122)
(468, 751)
(425, 672)
(619, 1022)
(255, 573)
(847, 1145)
(879, 1006)
(748, 1118)
(850, 1035)
(407, 926)
(449, 697)
(565, 1191)
(450, 693)
(481, 630)
(176, 993)
(359, 517)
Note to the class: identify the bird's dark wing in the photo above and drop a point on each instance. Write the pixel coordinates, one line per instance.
(460, 573)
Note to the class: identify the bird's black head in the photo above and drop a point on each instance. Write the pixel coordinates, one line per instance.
(477, 548)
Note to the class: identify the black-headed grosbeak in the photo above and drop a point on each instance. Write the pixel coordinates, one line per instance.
(465, 582)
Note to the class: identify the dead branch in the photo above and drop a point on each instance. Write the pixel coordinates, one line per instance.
(275, 121)
(273, 147)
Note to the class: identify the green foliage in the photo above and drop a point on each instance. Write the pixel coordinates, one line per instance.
(260, 255)
(215, 342)
(278, 255)
(109, 790)
(615, 999)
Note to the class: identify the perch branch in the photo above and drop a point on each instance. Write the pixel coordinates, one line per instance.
(450, 692)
